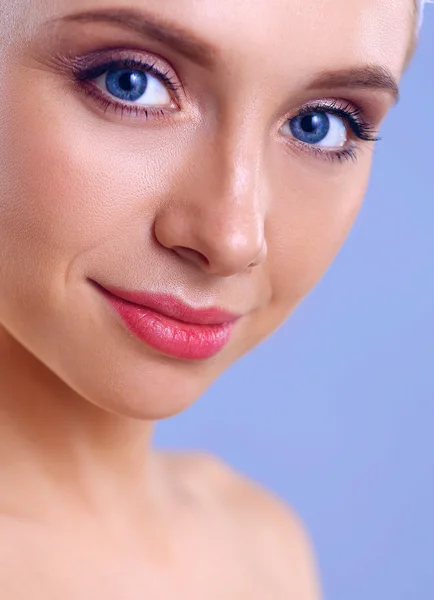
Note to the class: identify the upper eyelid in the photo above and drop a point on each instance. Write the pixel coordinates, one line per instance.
(98, 70)
(360, 127)
(330, 105)
(121, 59)
(89, 61)
(85, 64)
(344, 108)
(331, 108)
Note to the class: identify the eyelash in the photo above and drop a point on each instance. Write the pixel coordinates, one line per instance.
(348, 112)
(353, 117)
(84, 77)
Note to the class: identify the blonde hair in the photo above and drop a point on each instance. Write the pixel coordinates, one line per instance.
(417, 17)
(420, 7)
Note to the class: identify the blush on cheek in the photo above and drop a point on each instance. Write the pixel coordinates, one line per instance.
(76, 179)
(58, 190)
(61, 180)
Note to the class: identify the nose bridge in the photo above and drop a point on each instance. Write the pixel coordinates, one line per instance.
(237, 169)
(232, 215)
(215, 217)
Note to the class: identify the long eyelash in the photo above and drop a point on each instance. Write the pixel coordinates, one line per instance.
(93, 72)
(83, 75)
(352, 115)
(354, 118)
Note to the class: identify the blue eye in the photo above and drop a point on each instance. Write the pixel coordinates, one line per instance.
(126, 84)
(134, 86)
(310, 129)
(318, 128)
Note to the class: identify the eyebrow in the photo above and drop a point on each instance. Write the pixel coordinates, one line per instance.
(169, 34)
(373, 77)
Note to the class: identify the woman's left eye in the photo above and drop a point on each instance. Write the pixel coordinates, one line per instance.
(134, 86)
(318, 128)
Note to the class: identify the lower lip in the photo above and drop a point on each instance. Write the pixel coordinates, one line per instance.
(170, 336)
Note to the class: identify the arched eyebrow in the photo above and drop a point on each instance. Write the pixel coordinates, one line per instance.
(171, 35)
(186, 43)
(373, 77)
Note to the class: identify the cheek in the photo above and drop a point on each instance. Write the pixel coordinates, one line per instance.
(60, 196)
(308, 228)
(70, 181)
(62, 184)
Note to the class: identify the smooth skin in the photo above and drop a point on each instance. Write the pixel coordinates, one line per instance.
(212, 200)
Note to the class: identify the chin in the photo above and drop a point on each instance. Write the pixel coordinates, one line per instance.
(150, 390)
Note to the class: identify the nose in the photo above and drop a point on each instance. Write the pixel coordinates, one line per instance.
(216, 222)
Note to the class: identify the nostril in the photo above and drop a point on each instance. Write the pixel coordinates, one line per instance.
(191, 255)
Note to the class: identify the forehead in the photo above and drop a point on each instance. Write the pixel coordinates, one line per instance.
(296, 33)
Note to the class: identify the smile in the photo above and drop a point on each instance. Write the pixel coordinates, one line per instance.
(170, 326)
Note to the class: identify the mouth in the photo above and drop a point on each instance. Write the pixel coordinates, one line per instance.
(170, 326)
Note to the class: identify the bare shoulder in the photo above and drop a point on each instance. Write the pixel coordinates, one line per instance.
(277, 535)
(269, 530)
(284, 542)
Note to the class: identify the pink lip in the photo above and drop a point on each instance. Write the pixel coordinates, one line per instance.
(170, 326)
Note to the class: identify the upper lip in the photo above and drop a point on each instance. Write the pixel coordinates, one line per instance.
(172, 307)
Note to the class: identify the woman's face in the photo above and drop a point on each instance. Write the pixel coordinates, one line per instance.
(208, 154)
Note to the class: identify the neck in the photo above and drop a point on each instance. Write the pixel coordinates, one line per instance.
(63, 452)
